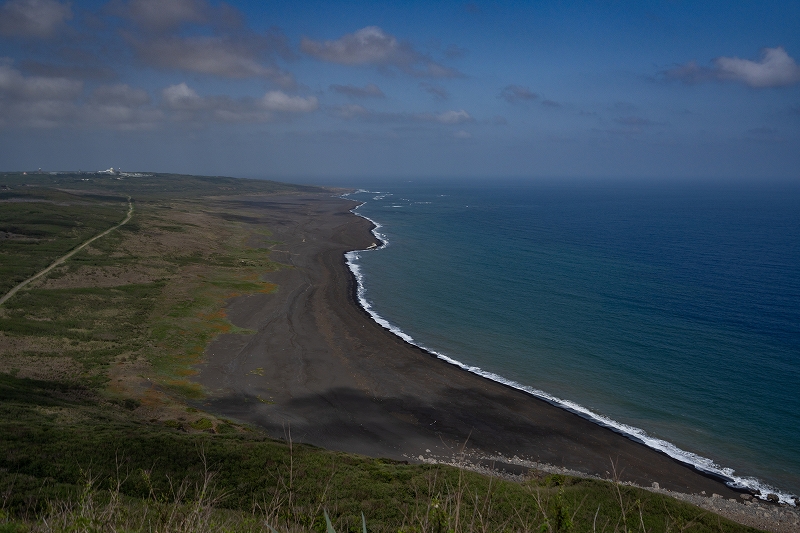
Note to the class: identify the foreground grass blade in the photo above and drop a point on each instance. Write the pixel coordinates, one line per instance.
(328, 522)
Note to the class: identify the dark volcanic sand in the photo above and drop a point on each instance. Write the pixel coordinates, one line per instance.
(319, 365)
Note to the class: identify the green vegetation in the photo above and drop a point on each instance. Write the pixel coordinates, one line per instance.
(38, 225)
(149, 186)
(91, 326)
(121, 296)
(95, 360)
(68, 455)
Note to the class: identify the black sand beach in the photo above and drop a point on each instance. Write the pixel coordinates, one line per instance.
(321, 368)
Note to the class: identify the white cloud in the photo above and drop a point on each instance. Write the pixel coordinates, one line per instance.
(122, 107)
(37, 113)
(44, 102)
(33, 18)
(775, 69)
(165, 15)
(181, 97)
(15, 86)
(185, 105)
(214, 56)
(367, 45)
(373, 46)
(282, 102)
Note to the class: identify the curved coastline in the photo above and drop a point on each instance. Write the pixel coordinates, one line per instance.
(701, 464)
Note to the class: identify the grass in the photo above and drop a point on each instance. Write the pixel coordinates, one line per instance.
(95, 326)
(192, 319)
(96, 431)
(153, 186)
(45, 224)
(90, 325)
(103, 471)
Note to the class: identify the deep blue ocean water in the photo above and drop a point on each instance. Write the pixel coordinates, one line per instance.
(670, 309)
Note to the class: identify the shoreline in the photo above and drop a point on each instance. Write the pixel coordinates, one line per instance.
(321, 367)
(712, 470)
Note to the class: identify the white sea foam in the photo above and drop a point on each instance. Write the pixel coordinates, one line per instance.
(699, 462)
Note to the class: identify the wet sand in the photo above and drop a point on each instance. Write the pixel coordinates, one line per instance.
(321, 368)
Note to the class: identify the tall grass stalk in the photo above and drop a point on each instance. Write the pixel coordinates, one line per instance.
(443, 503)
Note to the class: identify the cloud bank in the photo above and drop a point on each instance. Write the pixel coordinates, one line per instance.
(71, 84)
(282, 102)
(373, 46)
(52, 102)
(162, 15)
(215, 56)
(187, 106)
(33, 18)
(775, 69)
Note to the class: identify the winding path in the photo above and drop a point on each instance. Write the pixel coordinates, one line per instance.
(75, 250)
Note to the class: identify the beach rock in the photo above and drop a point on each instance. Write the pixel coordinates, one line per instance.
(715, 495)
(746, 496)
(656, 485)
(773, 498)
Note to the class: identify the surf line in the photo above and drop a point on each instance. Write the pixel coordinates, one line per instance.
(75, 250)
(700, 463)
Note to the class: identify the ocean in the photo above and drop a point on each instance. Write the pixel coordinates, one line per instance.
(670, 311)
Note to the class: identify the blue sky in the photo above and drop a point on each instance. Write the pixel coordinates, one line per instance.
(334, 90)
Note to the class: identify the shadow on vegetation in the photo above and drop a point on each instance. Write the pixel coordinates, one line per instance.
(68, 464)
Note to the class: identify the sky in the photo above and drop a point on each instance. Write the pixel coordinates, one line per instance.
(315, 91)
